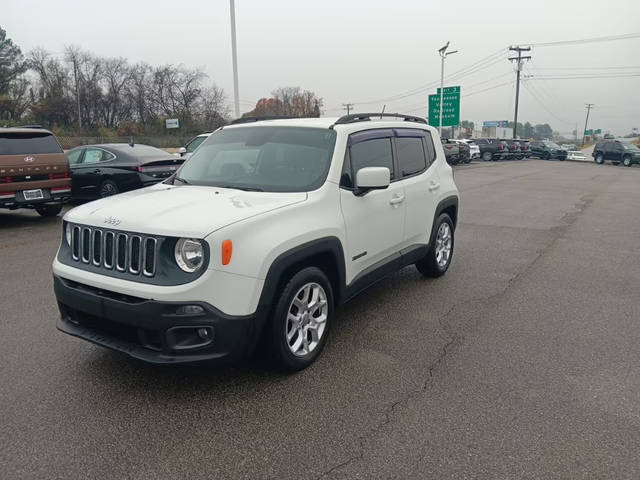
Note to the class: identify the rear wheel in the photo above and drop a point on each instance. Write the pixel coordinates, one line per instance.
(599, 159)
(49, 210)
(438, 259)
(108, 188)
(546, 156)
(301, 320)
(486, 156)
(626, 161)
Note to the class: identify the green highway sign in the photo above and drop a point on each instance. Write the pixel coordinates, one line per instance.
(588, 132)
(450, 107)
(598, 131)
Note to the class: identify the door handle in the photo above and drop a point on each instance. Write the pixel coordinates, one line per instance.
(433, 186)
(396, 199)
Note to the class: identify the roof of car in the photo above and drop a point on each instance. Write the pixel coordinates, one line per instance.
(327, 122)
(24, 130)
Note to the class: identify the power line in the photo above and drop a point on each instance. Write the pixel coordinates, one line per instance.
(541, 103)
(609, 38)
(588, 68)
(581, 77)
(487, 89)
(347, 107)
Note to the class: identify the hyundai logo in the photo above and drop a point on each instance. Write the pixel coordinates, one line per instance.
(29, 159)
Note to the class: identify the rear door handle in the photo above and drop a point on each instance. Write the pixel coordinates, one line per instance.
(434, 186)
(396, 199)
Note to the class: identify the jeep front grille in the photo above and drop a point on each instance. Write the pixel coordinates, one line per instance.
(125, 252)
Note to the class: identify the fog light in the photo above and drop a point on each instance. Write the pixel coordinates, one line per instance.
(204, 333)
(189, 310)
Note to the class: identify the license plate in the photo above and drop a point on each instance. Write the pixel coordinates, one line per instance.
(33, 194)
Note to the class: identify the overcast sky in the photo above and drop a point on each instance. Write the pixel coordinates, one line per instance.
(363, 50)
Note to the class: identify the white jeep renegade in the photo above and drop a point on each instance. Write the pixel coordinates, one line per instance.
(261, 234)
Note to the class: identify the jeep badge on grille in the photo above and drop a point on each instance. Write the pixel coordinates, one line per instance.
(112, 221)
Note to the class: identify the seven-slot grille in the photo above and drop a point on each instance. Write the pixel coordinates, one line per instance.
(120, 251)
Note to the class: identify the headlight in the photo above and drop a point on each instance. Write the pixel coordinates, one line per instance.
(189, 254)
(67, 233)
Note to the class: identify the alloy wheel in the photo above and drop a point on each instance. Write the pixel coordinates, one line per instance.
(306, 319)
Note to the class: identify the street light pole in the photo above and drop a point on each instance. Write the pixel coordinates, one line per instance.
(443, 54)
(234, 54)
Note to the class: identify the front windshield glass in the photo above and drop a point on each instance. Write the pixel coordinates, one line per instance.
(630, 146)
(265, 158)
(552, 145)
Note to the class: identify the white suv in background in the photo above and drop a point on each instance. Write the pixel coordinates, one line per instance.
(194, 143)
(260, 235)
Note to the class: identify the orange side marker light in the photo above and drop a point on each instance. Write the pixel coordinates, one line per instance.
(227, 251)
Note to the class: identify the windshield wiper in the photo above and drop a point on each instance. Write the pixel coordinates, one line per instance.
(182, 180)
(245, 189)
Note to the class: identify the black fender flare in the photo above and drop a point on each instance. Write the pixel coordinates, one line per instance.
(452, 201)
(325, 247)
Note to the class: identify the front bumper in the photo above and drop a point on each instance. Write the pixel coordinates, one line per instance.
(151, 330)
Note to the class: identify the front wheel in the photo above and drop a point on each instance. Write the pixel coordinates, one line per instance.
(49, 210)
(438, 259)
(626, 161)
(108, 188)
(486, 156)
(599, 159)
(301, 320)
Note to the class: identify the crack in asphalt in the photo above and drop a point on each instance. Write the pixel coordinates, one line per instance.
(566, 220)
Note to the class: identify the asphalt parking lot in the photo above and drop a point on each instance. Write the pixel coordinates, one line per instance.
(522, 362)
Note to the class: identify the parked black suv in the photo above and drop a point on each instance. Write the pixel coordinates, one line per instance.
(616, 152)
(547, 150)
(492, 149)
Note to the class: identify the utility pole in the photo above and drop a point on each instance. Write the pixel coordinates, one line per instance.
(588, 106)
(518, 60)
(234, 55)
(443, 54)
(348, 107)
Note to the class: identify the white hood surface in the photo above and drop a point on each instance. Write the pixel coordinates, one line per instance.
(181, 211)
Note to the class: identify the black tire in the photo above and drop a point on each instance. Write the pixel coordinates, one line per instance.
(599, 159)
(546, 156)
(487, 156)
(108, 188)
(282, 355)
(562, 159)
(49, 210)
(626, 161)
(429, 265)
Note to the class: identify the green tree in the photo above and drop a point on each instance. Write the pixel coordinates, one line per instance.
(543, 131)
(467, 124)
(12, 63)
(528, 131)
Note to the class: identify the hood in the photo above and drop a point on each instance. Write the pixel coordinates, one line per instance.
(180, 211)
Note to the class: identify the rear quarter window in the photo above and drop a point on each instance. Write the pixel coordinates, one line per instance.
(20, 143)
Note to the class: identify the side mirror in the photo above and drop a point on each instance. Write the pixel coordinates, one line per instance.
(182, 151)
(372, 178)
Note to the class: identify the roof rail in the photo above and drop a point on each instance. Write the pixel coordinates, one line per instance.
(365, 117)
(31, 126)
(259, 119)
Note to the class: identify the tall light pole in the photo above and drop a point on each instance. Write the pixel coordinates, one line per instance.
(234, 54)
(443, 54)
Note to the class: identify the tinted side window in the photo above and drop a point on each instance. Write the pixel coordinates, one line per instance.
(74, 156)
(429, 148)
(411, 156)
(372, 153)
(95, 155)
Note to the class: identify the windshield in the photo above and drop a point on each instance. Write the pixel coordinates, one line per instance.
(552, 145)
(20, 143)
(630, 146)
(266, 158)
